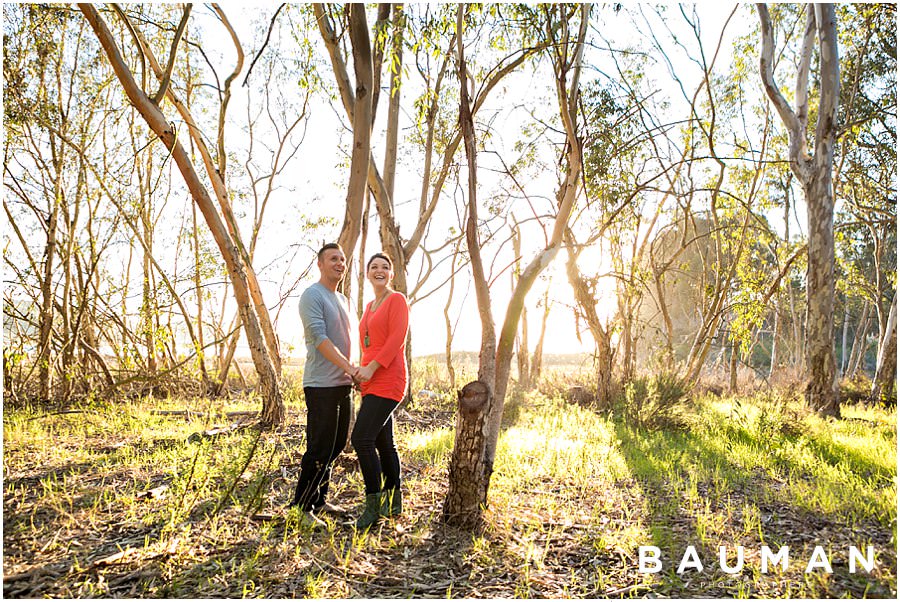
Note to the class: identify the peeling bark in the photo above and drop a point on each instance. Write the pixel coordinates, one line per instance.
(465, 496)
(814, 173)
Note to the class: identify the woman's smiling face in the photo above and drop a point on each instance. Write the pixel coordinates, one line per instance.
(380, 273)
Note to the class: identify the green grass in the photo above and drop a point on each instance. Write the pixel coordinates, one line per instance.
(573, 495)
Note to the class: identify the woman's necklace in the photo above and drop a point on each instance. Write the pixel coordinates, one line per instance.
(380, 300)
(375, 305)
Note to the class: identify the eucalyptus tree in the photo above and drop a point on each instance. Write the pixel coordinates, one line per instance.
(563, 28)
(25, 100)
(884, 383)
(720, 232)
(359, 99)
(812, 161)
(427, 32)
(149, 103)
(53, 98)
(676, 231)
(616, 147)
(275, 128)
(865, 184)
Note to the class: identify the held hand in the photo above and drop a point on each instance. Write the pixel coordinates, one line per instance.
(353, 373)
(366, 372)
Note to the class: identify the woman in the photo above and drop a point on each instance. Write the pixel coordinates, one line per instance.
(383, 378)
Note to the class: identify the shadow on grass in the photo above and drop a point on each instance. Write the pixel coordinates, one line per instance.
(411, 556)
(836, 454)
(104, 455)
(61, 575)
(698, 496)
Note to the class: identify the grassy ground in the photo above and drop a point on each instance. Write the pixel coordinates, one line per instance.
(119, 501)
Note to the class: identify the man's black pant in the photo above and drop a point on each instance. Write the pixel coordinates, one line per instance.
(327, 423)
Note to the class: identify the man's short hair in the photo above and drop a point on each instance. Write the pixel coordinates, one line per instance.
(326, 247)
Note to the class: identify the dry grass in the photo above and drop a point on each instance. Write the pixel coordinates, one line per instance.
(115, 501)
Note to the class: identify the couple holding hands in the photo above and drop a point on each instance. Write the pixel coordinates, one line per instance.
(328, 380)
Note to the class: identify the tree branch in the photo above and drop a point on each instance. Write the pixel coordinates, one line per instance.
(265, 43)
(173, 53)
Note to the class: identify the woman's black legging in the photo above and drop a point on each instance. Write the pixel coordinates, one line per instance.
(373, 440)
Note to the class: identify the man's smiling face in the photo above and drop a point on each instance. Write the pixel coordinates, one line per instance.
(332, 265)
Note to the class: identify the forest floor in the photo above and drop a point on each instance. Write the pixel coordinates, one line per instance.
(123, 500)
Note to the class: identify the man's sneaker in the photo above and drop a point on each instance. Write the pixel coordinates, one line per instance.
(329, 508)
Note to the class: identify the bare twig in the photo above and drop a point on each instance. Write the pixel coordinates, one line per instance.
(263, 47)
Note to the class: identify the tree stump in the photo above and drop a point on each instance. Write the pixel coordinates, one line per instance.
(465, 495)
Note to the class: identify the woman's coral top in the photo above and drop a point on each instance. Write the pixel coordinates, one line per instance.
(386, 328)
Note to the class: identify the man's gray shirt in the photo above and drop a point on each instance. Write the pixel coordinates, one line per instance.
(324, 315)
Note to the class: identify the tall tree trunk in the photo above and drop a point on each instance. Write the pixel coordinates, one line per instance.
(844, 332)
(198, 290)
(148, 294)
(522, 338)
(537, 358)
(523, 357)
(273, 407)
(586, 303)
(70, 327)
(362, 128)
(883, 385)
(814, 173)
(732, 369)
(46, 322)
(214, 170)
(208, 386)
(822, 387)
(393, 117)
(629, 346)
(859, 342)
(361, 271)
(776, 330)
(797, 347)
(465, 510)
(567, 97)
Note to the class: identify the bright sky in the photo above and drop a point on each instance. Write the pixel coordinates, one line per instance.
(315, 187)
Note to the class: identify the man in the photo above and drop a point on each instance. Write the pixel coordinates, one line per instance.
(327, 384)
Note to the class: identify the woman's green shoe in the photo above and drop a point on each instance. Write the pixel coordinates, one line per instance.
(391, 503)
(371, 512)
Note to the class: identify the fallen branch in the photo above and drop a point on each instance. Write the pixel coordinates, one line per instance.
(216, 431)
(55, 414)
(185, 413)
(622, 590)
(114, 558)
(35, 572)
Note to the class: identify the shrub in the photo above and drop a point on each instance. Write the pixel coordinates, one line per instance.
(655, 401)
